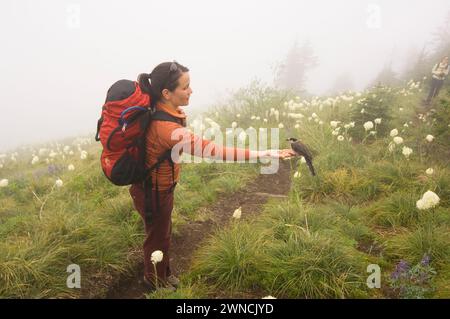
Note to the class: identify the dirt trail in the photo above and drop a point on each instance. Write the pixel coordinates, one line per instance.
(251, 198)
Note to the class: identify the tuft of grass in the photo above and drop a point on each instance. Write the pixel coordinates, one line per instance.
(312, 266)
(229, 259)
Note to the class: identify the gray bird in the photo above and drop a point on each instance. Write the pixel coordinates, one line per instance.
(302, 150)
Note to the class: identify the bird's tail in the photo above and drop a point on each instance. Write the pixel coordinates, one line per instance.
(310, 166)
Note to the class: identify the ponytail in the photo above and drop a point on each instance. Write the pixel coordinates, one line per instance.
(144, 83)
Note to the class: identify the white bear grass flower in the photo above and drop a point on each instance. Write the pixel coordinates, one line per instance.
(34, 160)
(377, 121)
(398, 140)
(429, 138)
(406, 151)
(157, 256)
(334, 124)
(237, 213)
(59, 183)
(394, 132)
(368, 125)
(71, 167)
(429, 171)
(428, 200)
(297, 174)
(4, 182)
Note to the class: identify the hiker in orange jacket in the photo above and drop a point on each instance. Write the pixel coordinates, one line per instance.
(169, 88)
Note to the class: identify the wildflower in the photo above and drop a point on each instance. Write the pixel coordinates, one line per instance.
(237, 213)
(406, 151)
(280, 125)
(83, 155)
(238, 115)
(340, 138)
(252, 117)
(4, 182)
(406, 125)
(363, 111)
(377, 121)
(373, 132)
(157, 256)
(257, 118)
(398, 140)
(335, 132)
(334, 124)
(428, 200)
(314, 115)
(400, 109)
(352, 124)
(71, 167)
(425, 260)
(59, 183)
(320, 122)
(368, 125)
(296, 125)
(297, 174)
(394, 132)
(400, 270)
(429, 138)
(429, 171)
(265, 120)
(34, 160)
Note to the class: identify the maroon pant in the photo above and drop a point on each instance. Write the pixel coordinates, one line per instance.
(158, 233)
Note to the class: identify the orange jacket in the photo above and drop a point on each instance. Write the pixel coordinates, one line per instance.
(159, 139)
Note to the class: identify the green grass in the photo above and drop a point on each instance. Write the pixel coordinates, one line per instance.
(359, 209)
(89, 222)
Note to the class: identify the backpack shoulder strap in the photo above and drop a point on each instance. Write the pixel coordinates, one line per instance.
(164, 116)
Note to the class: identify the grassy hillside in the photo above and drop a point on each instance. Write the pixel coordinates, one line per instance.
(360, 209)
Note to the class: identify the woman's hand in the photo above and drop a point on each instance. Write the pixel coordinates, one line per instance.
(283, 154)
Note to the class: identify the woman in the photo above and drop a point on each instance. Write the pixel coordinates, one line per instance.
(439, 71)
(169, 87)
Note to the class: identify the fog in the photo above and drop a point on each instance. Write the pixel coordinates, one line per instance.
(58, 58)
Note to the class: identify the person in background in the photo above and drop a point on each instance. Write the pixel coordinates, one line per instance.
(439, 72)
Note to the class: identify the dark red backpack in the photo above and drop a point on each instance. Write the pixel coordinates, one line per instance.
(126, 116)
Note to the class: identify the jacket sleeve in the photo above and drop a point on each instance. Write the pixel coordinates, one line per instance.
(435, 69)
(176, 136)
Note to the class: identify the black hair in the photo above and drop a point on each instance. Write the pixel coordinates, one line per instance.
(163, 76)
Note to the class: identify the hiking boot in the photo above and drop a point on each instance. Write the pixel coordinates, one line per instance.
(174, 281)
(161, 286)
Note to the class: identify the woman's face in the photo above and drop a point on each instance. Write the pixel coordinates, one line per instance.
(180, 96)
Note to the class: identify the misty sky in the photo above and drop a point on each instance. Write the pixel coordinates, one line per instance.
(56, 64)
